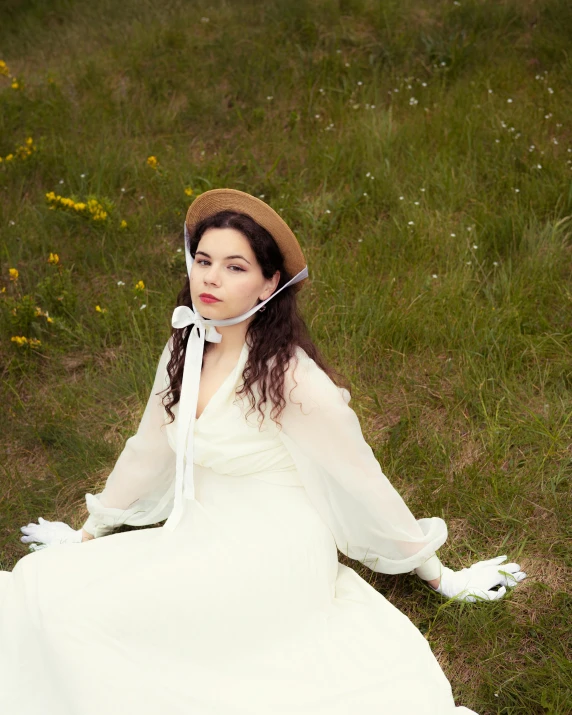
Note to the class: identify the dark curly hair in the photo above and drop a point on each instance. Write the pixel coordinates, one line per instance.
(273, 333)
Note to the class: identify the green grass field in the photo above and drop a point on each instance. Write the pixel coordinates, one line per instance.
(422, 153)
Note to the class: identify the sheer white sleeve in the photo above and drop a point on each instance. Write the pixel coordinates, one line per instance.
(140, 489)
(369, 520)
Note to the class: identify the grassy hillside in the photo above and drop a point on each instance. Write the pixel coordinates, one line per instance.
(422, 153)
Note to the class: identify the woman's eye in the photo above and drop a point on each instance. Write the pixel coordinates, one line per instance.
(204, 260)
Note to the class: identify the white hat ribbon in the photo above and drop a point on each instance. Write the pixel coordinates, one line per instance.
(202, 329)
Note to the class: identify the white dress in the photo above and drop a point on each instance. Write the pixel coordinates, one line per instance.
(244, 609)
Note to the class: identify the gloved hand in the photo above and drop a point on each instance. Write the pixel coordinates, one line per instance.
(475, 583)
(48, 533)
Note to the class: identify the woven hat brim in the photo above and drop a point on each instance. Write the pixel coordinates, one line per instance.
(215, 200)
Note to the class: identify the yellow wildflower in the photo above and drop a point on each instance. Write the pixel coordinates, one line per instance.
(123, 224)
(50, 320)
(54, 258)
(9, 157)
(100, 310)
(13, 274)
(38, 311)
(34, 343)
(140, 286)
(20, 340)
(15, 84)
(152, 162)
(3, 289)
(4, 69)
(188, 191)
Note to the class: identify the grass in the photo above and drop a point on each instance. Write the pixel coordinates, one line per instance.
(422, 153)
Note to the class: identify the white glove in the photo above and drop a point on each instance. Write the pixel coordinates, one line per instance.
(49, 533)
(475, 583)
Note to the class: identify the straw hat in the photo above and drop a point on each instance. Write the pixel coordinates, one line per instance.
(215, 200)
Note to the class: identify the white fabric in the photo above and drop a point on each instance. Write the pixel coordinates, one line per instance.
(201, 329)
(477, 582)
(244, 609)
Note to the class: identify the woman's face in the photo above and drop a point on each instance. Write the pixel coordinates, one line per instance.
(225, 267)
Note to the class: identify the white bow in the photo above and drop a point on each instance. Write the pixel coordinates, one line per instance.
(202, 329)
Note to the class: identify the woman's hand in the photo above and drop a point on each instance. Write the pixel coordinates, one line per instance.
(476, 582)
(49, 533)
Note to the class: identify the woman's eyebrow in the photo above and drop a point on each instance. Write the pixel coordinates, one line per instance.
(226, 259)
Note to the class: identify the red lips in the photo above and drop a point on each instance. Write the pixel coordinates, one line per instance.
(208, 295)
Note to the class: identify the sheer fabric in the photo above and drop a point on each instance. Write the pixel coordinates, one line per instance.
(369, 520)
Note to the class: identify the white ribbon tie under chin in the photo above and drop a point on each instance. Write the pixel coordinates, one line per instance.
(201, 329)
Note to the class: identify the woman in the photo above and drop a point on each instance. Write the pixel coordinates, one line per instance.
(238, 604)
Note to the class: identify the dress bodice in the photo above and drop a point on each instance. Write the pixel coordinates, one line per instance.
(232, 443)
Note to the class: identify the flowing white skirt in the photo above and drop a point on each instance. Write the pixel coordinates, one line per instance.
(243, 610)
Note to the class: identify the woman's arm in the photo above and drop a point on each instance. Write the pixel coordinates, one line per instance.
(139, 490)
(368, 518)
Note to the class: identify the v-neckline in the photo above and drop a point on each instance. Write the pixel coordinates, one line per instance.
(219, 389)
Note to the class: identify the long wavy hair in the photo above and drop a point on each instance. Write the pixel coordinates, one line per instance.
(272, 333)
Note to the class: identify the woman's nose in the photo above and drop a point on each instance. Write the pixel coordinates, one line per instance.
(211, 275)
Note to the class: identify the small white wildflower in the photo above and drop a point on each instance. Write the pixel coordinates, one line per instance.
(454, 235)
(497, 141)
(423, 84)
(317, 116)
(347, 64)
(517, 191)
(443, 63)
(12, 223)
(475, 246)
(261, 196)
(321, 90)
(373, 106)
(270, 97)
(416, 203)
(179, 250)
(203, 152)
(143, 306)
(141, 197)
(413, 101)
(360, 83)
(401, 198)
(469, 228)
(509, 100)
(122, 190)
(539, 166)
(551, 90)
(495, 263)
(558, 124)
(120, 283)
(82, 176)
(355, 106)
(468, 263)
(434, 275)
(360, 240)
(368, 173)
(328, 211)
(410, 223)
(554, 140)
(547, 116)
(204, 19)
(531, 147)
(490, 91)
(338, 52)
(503, 123)
(61, 181)
(421, 189)
(365, 193)
(396, 90)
